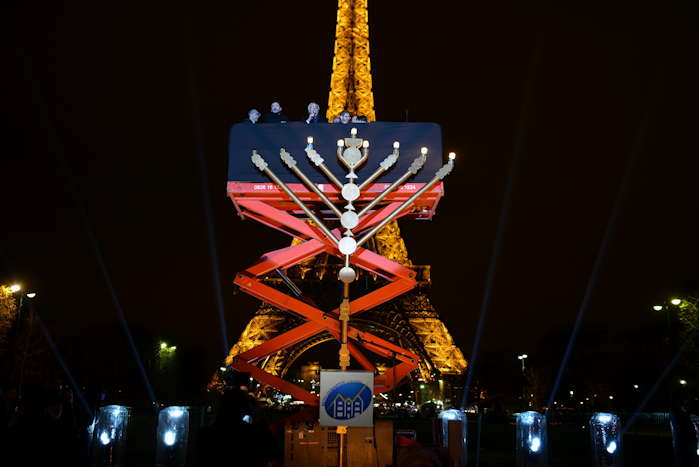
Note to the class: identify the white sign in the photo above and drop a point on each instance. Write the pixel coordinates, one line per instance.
(346, 398)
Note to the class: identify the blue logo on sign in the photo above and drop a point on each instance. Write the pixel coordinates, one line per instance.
(347, 400)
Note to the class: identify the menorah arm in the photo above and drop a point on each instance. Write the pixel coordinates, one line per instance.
(318, 162)
(383, 166)
(439, 176)
(262, 165)
(412, 170)
(291, 163)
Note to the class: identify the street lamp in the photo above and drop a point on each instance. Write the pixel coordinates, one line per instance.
(16, 288)
(683, 382)
(675, 301)
(522, 358)
(658, 307)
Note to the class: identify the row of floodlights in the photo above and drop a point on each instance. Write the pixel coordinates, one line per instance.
(604, 432)
(109, 428)
(531, 440)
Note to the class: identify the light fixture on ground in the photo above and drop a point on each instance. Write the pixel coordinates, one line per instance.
(606, 439)
(172, 436)
(531, 440)
(109, 434)
(451, 420)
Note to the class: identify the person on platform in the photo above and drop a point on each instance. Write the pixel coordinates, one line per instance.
(253, 117)
(275, 115)
(314, 114)
(344, 118)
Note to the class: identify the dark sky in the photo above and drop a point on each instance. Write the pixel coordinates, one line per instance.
(125, 96)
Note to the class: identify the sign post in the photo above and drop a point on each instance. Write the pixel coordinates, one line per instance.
(346, 398)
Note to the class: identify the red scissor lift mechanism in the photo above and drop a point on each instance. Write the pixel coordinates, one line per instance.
(272, 206)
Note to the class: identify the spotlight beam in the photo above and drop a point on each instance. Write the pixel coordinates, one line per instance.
(502, 221)
(601, 253)
(59, 358)
(55, 142)
(198, 131)
(651, 392)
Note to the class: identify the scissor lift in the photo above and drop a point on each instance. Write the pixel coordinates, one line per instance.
(286, 198)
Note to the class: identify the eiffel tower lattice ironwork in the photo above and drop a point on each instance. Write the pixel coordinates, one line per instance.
(408, 323)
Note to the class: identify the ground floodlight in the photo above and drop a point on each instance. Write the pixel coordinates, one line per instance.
(169, 438)
(605, 436)
(172, 436)
(531, 448)
(452, 416)
(108, 431)
(105, 439)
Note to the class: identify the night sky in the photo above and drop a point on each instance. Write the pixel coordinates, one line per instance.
(107, 107)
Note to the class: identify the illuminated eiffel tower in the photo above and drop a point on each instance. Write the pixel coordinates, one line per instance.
(409, 320)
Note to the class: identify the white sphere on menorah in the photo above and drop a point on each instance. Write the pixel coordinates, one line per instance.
(347, 245)
(350, 191)
(349, 219)
(347, 275)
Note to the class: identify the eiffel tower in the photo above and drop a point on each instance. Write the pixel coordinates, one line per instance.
(409, 320)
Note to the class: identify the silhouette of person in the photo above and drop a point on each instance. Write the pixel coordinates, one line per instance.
(38, 438)
(684, 435)
(231, 441)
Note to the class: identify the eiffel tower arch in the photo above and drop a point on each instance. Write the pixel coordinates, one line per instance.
(409, 320)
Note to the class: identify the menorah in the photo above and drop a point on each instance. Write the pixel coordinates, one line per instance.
(317, 237)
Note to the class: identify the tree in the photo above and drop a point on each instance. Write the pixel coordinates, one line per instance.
(688, 316)
(8, 316)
